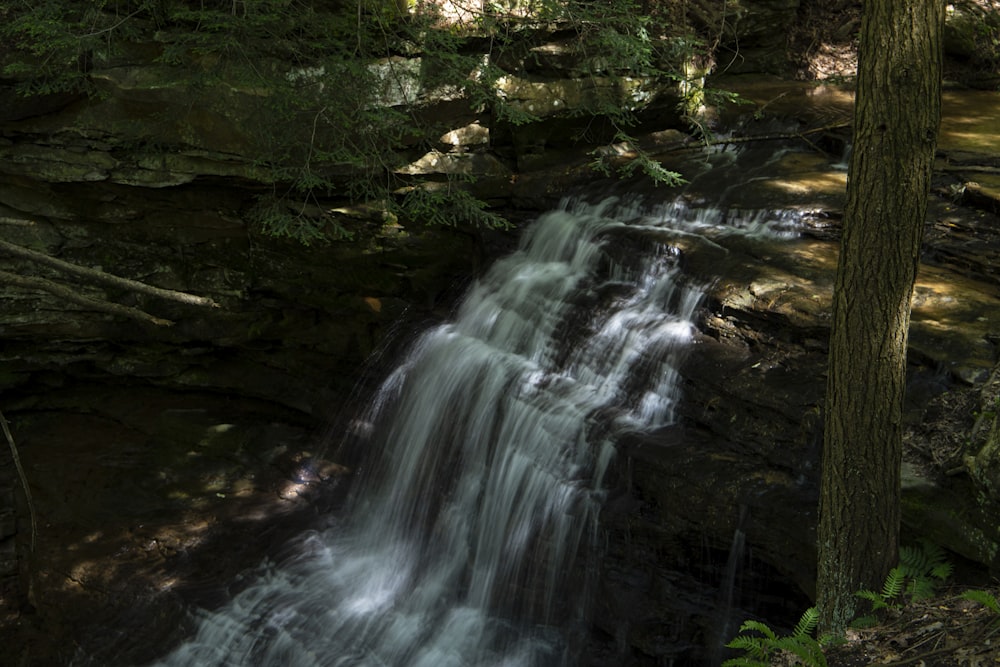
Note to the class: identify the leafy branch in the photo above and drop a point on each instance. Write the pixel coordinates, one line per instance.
(341, 90)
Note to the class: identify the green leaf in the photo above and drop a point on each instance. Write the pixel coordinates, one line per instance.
(744, 661)
(807, 623)
(876, 599)
(805, 647)
(942, 571)
(893, 584)
(752, 645)
(984, 598)
(862, 622)
(760, 627)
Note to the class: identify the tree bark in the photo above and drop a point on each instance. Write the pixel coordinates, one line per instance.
(897, 114)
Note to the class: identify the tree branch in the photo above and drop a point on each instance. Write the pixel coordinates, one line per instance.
(102, 277)
(24, 479)
(63, 292)
(694, 143)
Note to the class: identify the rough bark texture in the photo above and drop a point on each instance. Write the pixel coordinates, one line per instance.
(895, 130)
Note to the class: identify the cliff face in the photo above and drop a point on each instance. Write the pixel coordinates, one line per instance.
(159, 177)
(157, 180)
(156, 177)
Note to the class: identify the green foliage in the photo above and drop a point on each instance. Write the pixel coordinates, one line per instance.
(609, 162)
(60, 41)
(333, 103)
(979, 24)
(764, 647)
(984, 598)
(925, 568)
(917, 576)
(282, 218)
(920, 571)
(445, 206)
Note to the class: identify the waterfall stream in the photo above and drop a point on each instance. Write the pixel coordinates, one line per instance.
(472, 530)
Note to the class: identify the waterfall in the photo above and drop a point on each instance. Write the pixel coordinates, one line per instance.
(470, 535)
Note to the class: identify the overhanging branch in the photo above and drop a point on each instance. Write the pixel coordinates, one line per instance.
(689, 144)
(102, 277)
(24, 480)
(63, 292)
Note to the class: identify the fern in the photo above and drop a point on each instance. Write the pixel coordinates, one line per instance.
(924, 569)
(760, 627)
(863, 622)
(744, 661)
(758, 649)
(807, 623)
(805, 648)
(989, 601)
(918, 574)
(877, 600)
(762, 648)
(984, 598)
(893, 584)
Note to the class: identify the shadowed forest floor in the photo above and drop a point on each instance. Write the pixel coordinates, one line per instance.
(945, 631)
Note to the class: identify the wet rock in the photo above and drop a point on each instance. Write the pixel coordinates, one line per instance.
(297, 324)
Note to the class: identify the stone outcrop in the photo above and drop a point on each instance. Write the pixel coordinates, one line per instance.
(219, 412)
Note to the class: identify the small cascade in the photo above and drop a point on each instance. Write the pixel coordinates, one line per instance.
(845, 158)
(471, 535)
(725, 623)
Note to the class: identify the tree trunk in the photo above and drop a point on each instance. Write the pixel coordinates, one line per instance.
(897, 112)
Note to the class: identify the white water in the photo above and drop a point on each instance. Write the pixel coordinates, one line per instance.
(469, 537)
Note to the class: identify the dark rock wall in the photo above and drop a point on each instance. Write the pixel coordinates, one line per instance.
(152, 182)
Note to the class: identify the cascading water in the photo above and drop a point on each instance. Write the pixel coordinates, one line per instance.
(470, 534)
(468, 537)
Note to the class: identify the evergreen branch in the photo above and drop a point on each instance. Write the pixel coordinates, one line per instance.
(112, 28)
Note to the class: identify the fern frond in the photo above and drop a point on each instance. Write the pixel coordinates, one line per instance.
(913, 561)
(862, 622)
(942, 571)
(807, 623)
(757, 626)
(934, 554)
(878, 602)
(921, 588)
(984, 598)
(927, 560)
(807, 649)
(893, 584)
(830, 639)
(753, 646)
(744, 661)
(758, 647)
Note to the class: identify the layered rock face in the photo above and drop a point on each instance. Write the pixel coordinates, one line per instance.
(153, 180)
(154, 177)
